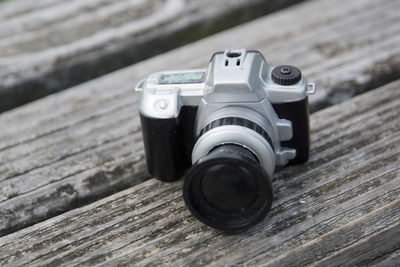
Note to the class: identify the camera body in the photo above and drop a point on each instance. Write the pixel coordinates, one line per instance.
(240, 106)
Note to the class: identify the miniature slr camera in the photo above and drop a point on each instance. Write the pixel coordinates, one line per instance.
(225, 129)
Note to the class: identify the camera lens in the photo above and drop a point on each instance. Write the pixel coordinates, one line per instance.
(228, 189)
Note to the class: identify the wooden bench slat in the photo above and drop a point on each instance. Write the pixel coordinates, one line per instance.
(53, 151)
(387, 259)
(362, 252)
(21, 7)
(344, 202)
(58, 44)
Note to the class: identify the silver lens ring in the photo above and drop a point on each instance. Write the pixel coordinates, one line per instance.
(238, 112)
(233, 134)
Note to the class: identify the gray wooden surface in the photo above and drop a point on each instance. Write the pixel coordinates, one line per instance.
(340, 208)
(49, 45)
(68, 149)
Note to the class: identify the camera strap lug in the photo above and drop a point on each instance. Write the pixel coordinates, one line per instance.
(139, 86)
(311, 88)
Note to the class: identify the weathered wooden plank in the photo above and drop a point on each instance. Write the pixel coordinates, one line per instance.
(365, 250)
(391, 259)
(54, 44)
(85, 143)
(20, 7)
(339, 208)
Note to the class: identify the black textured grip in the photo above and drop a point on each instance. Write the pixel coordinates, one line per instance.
(168, 143)
(239, 122)
(164, 146)
(296, 112)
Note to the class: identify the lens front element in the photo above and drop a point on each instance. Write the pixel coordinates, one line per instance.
(229, 188)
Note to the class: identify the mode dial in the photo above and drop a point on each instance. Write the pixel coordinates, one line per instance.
(286, 75)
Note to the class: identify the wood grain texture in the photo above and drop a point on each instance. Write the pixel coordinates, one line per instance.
(54, 44)
(67, 149)
(339, 208)
(388, 260)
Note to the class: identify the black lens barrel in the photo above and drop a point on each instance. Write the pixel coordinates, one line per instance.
(228, 189)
